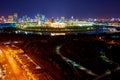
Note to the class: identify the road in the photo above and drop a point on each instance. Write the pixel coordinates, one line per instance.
(13, 71)
(19, 66)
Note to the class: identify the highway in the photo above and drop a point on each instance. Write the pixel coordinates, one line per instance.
(19, 66)
(13, 71)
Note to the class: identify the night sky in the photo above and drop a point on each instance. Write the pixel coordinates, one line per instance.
(58, 8)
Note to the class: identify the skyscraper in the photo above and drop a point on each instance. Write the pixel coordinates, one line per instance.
(43, 19)
(15, 17)
(38, 19)
(10, 19)
(2, 19)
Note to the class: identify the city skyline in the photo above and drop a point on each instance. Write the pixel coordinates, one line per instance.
(67, 8)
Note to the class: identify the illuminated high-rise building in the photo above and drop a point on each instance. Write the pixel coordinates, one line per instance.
(25, 18)
(52, 20)
(38, 19)
(15, 17)
(2, 19)
(62, 19)
(10, 19)
(72, 18)
(43, 19)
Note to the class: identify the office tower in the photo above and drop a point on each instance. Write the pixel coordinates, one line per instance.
(2, 19)
(43, 19)
(10, 19)
(15, 17)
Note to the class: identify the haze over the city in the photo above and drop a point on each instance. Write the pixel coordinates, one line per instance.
(58, 8)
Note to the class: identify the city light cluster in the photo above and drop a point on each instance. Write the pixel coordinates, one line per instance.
(41, 20)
